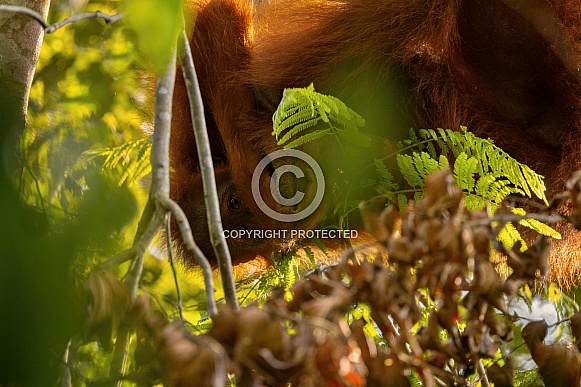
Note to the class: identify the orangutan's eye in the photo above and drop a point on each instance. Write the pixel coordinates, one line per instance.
(233, 204)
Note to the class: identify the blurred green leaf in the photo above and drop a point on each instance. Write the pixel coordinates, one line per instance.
(157, 23)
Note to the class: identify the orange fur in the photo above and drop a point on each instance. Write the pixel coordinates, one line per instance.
(399, 63)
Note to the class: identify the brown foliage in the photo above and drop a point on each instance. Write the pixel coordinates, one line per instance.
(441, 278)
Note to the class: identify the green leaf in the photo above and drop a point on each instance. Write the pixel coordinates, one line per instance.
(303, 108)
(464, 170)
(509, 235)
(408, 170)
(536, 225)
(157, 24)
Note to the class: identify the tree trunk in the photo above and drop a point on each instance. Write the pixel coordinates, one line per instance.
(36, 296)
(20, 41)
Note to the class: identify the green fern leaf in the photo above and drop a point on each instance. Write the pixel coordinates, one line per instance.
(303, 108)
(295, 116)
(464, 170)
(535, 183)
(528, 378)
(134, 156)
(425, 164)
(418, 195)
(307, 138)
(483, 184)
(443, 162)
(402, 202)
(409, 172)
(413, 138)
(297, 128)
(386, 179)
(473, 202)
(535, 225)
(311, 256)
(509, 235)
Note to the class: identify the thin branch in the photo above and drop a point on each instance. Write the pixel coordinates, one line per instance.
(119, 359)
(136, 268)
(207, 170)
(118, 259)
(26, 11)
(38, 191)
(482, 373)
(192, 248)
(66, 375)
(173, 268)
(152, 221)
(559, 322)
(87, 15)
(50, 28)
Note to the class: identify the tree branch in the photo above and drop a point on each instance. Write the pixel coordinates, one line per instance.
(193, 249)
(207, 169)
(50, 28)
(173, 268)
(152, 221)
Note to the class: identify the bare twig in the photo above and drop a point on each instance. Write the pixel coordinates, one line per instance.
(117, 260)
(193, 249)
(118, 361)
(152, 221)
(50, 28)
(207, 170)
(482, 373)
(66, 375)
(563, 321)
(173, 269)
(478, 362)
(87, 15)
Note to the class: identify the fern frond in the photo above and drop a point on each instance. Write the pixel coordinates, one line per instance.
(509, 235)
(536, 225)
(464, 169)
(311, 255)
(443, 162)
(303, 108)
(402, 202)
(528, 378)
(409, 172)
(307, 138)
(418, 195)
(485, 173)
(134, 156)
(386, 179)
(425, 164)
(297, 122)
(490, 159)
(484, 183)
(473, 202)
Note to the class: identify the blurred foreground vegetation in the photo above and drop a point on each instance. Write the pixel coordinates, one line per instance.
(92, 92)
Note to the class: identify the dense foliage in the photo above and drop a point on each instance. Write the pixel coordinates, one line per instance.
(435, 314)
